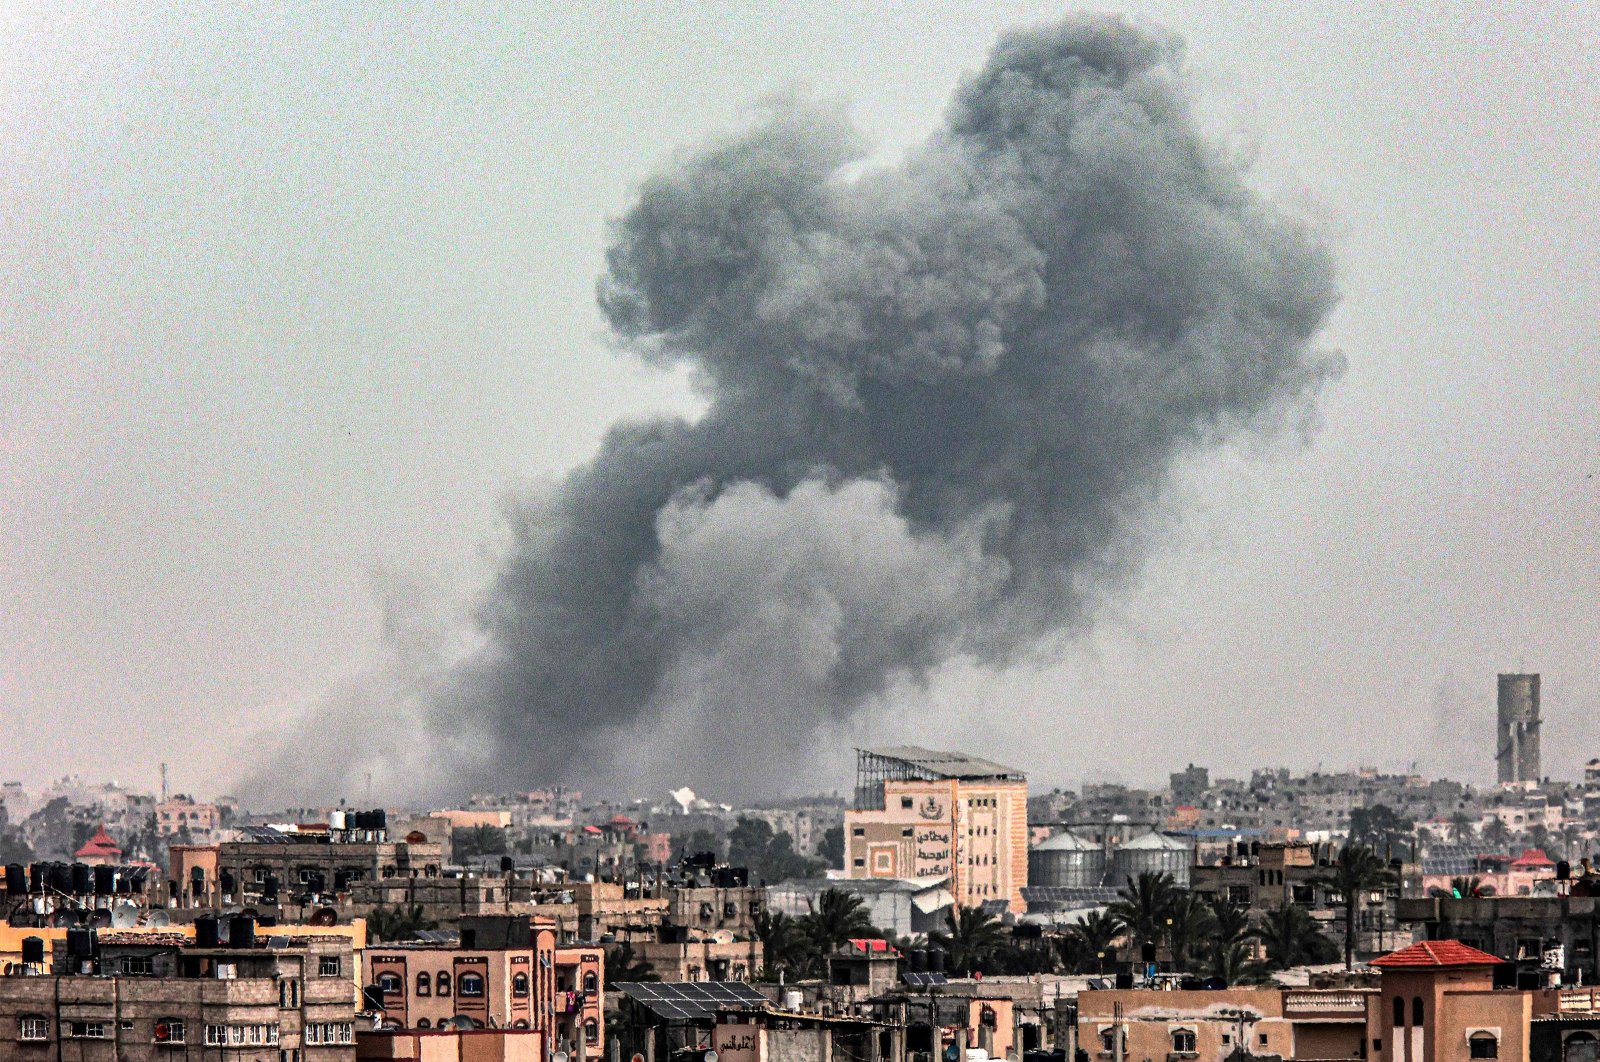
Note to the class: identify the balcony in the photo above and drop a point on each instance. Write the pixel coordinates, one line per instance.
(1324, 1003)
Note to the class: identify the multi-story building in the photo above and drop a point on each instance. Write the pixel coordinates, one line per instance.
(274, 864)
(500, 973)
(925, 814)
(580, 1001)
(189, 822)
(168, 998)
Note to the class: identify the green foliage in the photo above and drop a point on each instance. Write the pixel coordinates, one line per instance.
(1292, 938)
(1358, 871)
(769, 856)
(476, 842)
(698, 841)
(1089, 946)
(1383, 830)
(400, 922)
(835, 918)
(1143, 907)
(972, 937)
(786, 946)
(831, 850)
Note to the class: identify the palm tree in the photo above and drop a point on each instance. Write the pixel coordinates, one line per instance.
(1293, 939)
(1092, 939)
(1539, 836)
(1358, 871)
(1232, 921)
(390, 924)
(1231, 961)
(626, 966)
(785, 945)
(1191, 927)
(1496, 834)
(836, 917)
(1144, 905)
(971, 938)
(1461, 827)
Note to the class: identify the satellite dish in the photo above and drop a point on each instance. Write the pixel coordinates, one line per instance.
(559, 1056)
(711, 1056)
(636, 1057)
(159, 919)
(325, 916)
(124, 916)
(100, 919)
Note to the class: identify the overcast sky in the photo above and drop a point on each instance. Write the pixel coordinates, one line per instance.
(291, 301)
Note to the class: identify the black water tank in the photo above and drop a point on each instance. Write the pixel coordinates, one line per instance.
(936, 960)
(507, 864)
(380, 819)
(33, 949)
(1563, 871)
(105, 880)
(82, 879)
(205, 932)
(267, 921)
(137, 876)
(39, 873)
(80, 942)
(919, 960)
(61, 878)
(16, 879)
(241, 932)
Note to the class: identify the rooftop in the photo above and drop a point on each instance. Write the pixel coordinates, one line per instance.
(932, 764)
(1432, 954)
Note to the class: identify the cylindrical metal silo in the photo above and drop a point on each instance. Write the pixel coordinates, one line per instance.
(1066, 860)
(1151, 852)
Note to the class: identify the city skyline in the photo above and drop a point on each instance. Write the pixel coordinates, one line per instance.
(256, 442)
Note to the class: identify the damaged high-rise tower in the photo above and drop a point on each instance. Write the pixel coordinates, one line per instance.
(1517, 755)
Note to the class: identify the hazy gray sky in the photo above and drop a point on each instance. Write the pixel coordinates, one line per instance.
(291, 300)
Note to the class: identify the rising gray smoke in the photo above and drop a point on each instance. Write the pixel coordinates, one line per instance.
(941, 400)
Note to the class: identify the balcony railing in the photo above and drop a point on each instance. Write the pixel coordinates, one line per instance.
(1325, 1002)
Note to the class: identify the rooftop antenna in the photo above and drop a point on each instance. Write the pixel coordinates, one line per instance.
(163, 783)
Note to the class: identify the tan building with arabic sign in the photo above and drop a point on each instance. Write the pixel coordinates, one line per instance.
(922, 814)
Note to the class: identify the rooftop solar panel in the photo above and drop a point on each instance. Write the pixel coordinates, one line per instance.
(924, 980)
(693, 1000)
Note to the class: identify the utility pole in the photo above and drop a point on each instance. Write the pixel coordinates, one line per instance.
(165, 796)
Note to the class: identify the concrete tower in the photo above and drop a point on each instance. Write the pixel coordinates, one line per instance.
(1517, 745)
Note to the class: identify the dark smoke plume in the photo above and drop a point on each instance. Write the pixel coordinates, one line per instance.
(941, 400)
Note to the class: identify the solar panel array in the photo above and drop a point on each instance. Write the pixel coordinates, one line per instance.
(262, 834)
(924, 980)
(692, 1000)
(1079, 895)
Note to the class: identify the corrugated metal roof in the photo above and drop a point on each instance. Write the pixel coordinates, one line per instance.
(946, 764)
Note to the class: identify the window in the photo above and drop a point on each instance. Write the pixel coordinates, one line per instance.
(289, 993)
(470, 984)
(1416, 1010)
(390, 983)
(907, 832)
(858, 831)
(591, 1032)
(35, 1027)
(905, 803)
(1108, 1040)
(424, 984)
(217, 1035)
(169, 1031)
(591, 983)
(1262, 1039)
(137, 965)
(1399, 1011)
(860, 862)
(328, 966)
(442, 984)
(1483, 1045)
(1183, 1041)
(519, 984)
(422, 1023)
(85, 1030)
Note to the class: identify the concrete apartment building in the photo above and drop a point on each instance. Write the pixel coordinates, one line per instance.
(272, 865)
(925, 814)
(580, 1001)
(1435, 1002)
(166, 998)
(195, 823)
(501, 974)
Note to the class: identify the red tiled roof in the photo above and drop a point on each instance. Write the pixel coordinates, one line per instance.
(100, 844)
(1433, 953)
(1532, 857)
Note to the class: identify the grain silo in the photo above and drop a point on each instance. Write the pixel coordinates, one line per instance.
(1066, 860)
(1151, 852)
